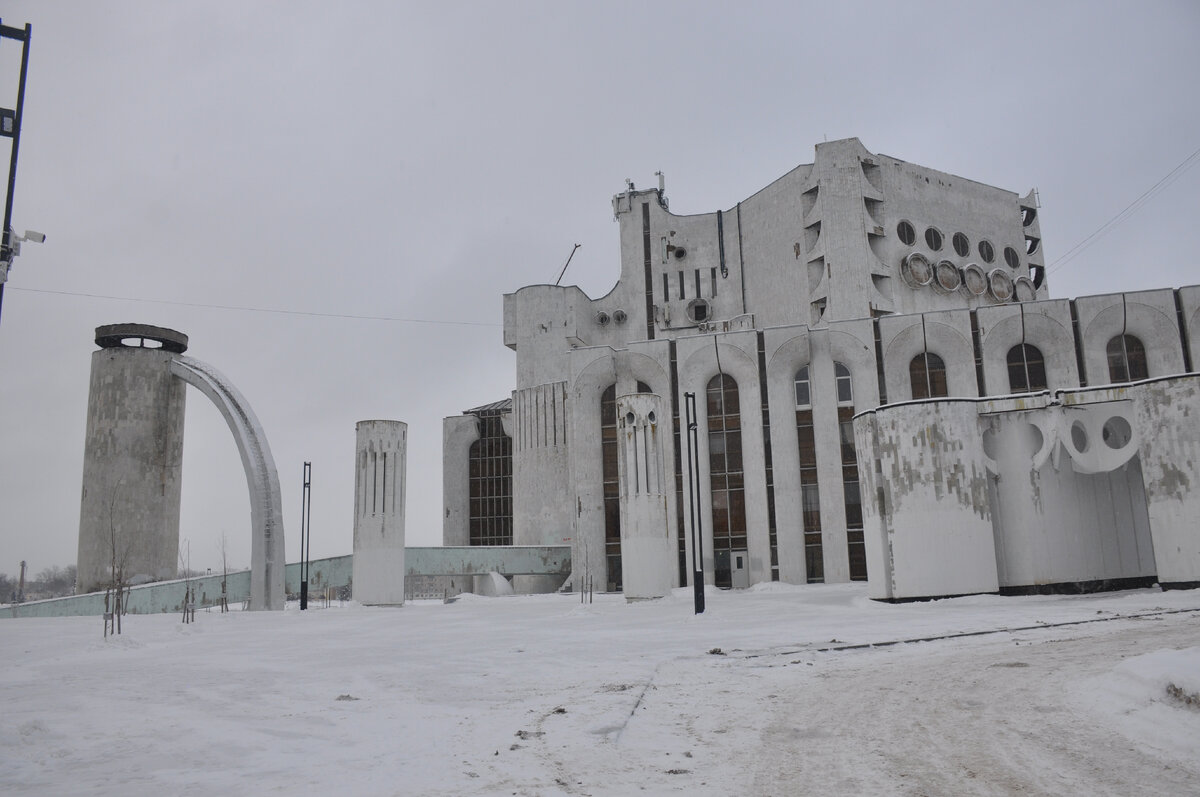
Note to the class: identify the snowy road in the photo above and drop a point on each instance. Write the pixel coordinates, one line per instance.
(542, 696)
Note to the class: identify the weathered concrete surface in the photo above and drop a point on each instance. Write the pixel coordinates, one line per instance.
(646, 544)
(132, 467)
(379, 503)
(266, 513)
(516, 560)
(929, 529)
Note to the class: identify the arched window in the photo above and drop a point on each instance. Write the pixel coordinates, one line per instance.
(803, 388)
(1026, 369)
(725, 475)
(851, 495)
(490, 471)
(927, 372)
(1126, 359)
(810, 493)
(845, 385)
(612, 483)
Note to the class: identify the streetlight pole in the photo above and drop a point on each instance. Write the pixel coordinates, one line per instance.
(10, 127)
(305, 533)
(693, 448)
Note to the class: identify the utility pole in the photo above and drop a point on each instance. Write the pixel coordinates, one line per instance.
(10, 127)
(693, 452)
(305, 533)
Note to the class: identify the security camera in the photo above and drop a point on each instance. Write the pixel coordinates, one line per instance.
(36, 237)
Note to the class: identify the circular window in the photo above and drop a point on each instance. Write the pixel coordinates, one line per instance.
(1010, 257)
(1000, 284)
(651, 418)
(619, 316)
(1117, 432)
(986, 251)
(629, 419)
(698, 311)
(1079, 437)
(906, 233)
(916, 270)
(1023, 289)
(933, 237)
(947, 276)
(975, 279)
(961, 244)
(680, 253)
(602, 318)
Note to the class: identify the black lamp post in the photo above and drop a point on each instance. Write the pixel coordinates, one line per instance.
(693, 447)
(10, 127)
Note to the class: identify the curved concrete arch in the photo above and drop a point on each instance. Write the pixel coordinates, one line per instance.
(267, 561)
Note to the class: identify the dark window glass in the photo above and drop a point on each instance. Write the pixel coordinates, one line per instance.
(803, 391)
(986, 251)
(725, 472)
(1127, 359)
(933, 237)
(906, 233)
(961, 245)
(927, 373)
(1026, 369)
(810, 497)
(845, 385)
(490, 476)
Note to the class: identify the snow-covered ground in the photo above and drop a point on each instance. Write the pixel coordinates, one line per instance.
(544, 696)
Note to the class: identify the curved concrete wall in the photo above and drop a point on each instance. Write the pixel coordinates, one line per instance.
(132, 467)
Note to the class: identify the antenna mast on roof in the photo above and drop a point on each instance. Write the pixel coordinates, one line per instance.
(564, 271)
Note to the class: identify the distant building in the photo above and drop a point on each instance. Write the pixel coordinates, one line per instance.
(852, 286)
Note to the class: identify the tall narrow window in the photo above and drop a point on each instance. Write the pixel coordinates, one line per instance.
(855, 547)
(1126, 359)
(1026, 369)
(726, 476)
(810, 494)
(612, 484)
(927, 372)
(490, 463)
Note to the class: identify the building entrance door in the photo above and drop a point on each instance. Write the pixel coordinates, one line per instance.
(739, 569)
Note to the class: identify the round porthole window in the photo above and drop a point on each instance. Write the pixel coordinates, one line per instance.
(1011, 257)
(975, 279)
(961, 244)
(906, 233)
(947, 277)
(1023, 289)
(698, 311)
(986, 252)
(602, 318)
(933, 237)
(916, 270)
(1000, 284)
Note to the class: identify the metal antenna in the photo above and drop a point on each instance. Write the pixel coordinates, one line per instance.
(564, 271)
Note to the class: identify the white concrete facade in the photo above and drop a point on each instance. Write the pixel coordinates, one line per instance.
(381, 452)
(855, 282)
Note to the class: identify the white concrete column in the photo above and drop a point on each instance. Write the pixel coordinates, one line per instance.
(646, 551)
(379, 502)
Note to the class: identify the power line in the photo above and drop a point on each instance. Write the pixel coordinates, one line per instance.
(1133, 207)
(261, 309)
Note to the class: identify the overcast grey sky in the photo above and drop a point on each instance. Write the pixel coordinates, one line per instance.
(417, 161)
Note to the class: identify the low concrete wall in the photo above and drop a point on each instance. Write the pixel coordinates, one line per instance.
(168, 596)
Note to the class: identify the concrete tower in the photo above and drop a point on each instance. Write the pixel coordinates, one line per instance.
(133, 457)
(646, 551)
(382, 447)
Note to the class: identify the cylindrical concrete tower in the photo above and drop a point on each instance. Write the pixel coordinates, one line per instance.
(647, 557)
(133, 457)
(379, 512)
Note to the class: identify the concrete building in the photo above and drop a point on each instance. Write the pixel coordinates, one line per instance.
(856, 284)
(133, 460)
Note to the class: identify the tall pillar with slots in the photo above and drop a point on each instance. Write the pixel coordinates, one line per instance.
(646, 550)
(379, 501)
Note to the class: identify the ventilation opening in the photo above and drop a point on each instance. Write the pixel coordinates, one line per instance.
(698, 311)
(602, 318)
(1031, 244)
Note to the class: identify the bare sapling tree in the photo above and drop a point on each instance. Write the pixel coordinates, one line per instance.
(116, 593)
(189, 585)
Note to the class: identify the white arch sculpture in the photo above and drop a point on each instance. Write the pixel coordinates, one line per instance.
(267, 561)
